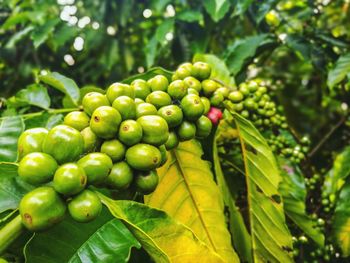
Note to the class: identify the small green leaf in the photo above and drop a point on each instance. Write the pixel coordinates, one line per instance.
(105, 240)
(336, 177)
(63, 84)
(35, 95)
(189, 15)
(217, 8)
(339, 71)
(12, 188)
(10, 130)
(63, 34)
(162, 237)
(219, 68)
(341, 220)
(243, 50)
(15, 19)
(18, 36)
(242, 6)
(300, 45)
(41, 33)
(293, 191)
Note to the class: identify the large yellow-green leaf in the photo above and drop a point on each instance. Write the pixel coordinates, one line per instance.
(188, 193)
(161, 236)
(271, 240)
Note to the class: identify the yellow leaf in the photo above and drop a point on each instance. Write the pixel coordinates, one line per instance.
(188, 193)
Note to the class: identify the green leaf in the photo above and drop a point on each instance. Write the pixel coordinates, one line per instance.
(150, 49)
(271, 240)
(12, 188)
(63, 84)
(240, 235)
(159, 5)
(63, 34)
(150, 74)
(219, 68)
(162, 237)
(188, 193)
(105, 239)
(300, 45)
(35, 95)
(336, 177)
(41, 33)
(217, 8)
(189, 15)
(15, 19)
(294, 193)
(18, 36)
(341, 221)
(243, 50)
(242, 6)
(10, 130)
(339, 71)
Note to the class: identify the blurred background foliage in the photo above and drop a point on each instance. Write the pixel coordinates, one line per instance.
(299, 47)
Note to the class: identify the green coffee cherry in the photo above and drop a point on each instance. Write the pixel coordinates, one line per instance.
(203, 127)
(69, 179)
(126, 107)
(105, 122)
(172, 114)
(120, 176)
(64, 143)
(114, 149)
(177, 89)
(201, 70)
(141, 88)
(217, 99)
(143, 157)
(96, 166)
(186, 131)
(164, 154)
(193, 83)
(119, 89)
(155, 129)
(250, 104)
(93, 100)
(192, 107)
(172, 141)
(85, 207)
(37, 168)
(183, 72)
(130, 132)
(144, 109)
(77, 119)
(91, 141)
(224, 91)
(41, 208)
(192, 91)
(209, 87)
(31, 141)
(159, 99)
(146, 183)
(158, 82)
(236, 96)
(138, 101)
(206, 104)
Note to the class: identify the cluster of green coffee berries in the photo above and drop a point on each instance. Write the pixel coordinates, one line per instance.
(116, 141)
(287, 147)
(253, 102)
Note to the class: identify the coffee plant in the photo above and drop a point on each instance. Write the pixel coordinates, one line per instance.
(174, 131)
